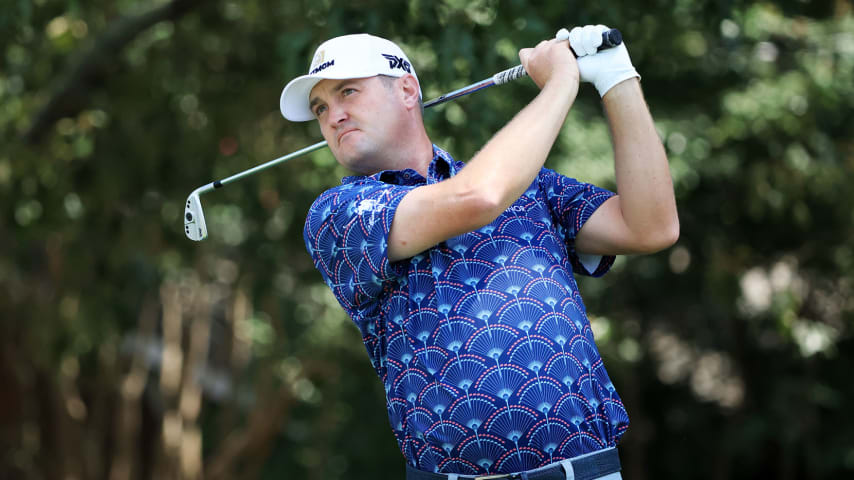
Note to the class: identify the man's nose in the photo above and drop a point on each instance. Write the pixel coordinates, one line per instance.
(337, 114)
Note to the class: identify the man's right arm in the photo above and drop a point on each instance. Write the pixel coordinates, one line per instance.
(501, 171)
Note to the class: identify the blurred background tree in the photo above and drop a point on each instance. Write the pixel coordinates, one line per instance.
(129, 352)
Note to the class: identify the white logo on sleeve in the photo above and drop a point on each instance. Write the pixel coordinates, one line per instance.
(369, 205)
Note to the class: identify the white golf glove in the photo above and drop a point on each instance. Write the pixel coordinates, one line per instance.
(603, 69)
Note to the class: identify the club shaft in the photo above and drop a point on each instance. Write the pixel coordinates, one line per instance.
(489, 82)
(264, 166)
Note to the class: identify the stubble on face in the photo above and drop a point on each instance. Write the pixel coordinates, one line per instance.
(358, 133)
(354, 147)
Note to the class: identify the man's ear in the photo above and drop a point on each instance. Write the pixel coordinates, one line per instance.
(409, 88)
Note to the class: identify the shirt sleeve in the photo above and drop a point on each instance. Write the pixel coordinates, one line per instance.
(346, 234)
(572, 203)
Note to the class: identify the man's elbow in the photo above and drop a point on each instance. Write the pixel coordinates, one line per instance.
(470, 208)
(667, 236)
(482, 203)
(672, 234)
(663, 237)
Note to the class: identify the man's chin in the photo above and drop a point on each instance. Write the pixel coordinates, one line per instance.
(359, 161)
(363, 168)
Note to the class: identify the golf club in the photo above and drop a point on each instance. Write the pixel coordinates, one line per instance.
(194, 218)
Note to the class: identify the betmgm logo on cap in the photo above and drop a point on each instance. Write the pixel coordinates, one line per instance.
(350, 56)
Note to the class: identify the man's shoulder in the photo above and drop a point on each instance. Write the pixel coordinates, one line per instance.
(548, 176)
(352, 186)
(356, 191)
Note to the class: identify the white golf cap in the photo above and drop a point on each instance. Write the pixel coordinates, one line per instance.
(350, 56)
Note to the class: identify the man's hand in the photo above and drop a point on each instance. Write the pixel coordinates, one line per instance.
(551, 61)
(603, 69)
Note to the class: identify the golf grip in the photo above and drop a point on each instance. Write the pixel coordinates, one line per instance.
(610, 39)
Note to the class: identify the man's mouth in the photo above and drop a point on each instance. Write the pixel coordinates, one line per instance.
(345, 132)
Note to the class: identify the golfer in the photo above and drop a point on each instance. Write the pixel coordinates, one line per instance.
(460, 276)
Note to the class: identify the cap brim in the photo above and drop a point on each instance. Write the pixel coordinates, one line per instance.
(294, 101)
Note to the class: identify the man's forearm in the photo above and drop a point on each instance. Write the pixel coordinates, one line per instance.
(490, 183)
(501, 171)
(510, 161)
(643, 176)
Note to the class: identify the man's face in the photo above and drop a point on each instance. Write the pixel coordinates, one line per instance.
(357, 118)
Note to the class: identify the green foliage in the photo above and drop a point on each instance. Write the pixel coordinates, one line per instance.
(731, 350)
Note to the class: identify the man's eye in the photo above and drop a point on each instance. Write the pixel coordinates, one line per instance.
(348, 91)
(319, 110)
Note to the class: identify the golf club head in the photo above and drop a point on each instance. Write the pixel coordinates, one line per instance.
(194, 219)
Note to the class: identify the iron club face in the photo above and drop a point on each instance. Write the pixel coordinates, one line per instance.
(194, 219)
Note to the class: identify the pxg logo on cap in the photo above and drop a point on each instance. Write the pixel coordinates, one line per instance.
(397, 62)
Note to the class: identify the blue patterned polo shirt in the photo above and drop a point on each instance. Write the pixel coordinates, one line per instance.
(482, 342)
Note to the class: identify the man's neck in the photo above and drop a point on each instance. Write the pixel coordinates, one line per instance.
(421, 154)
(414, 151)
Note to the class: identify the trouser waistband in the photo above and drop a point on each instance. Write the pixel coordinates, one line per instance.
(584, 467)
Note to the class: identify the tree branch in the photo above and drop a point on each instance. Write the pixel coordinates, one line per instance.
(70, 96)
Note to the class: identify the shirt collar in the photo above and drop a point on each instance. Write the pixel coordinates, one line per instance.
(442, 167)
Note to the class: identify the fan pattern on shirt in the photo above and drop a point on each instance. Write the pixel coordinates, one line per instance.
(482, 342)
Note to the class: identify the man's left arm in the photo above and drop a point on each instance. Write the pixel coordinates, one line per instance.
(642, 217)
